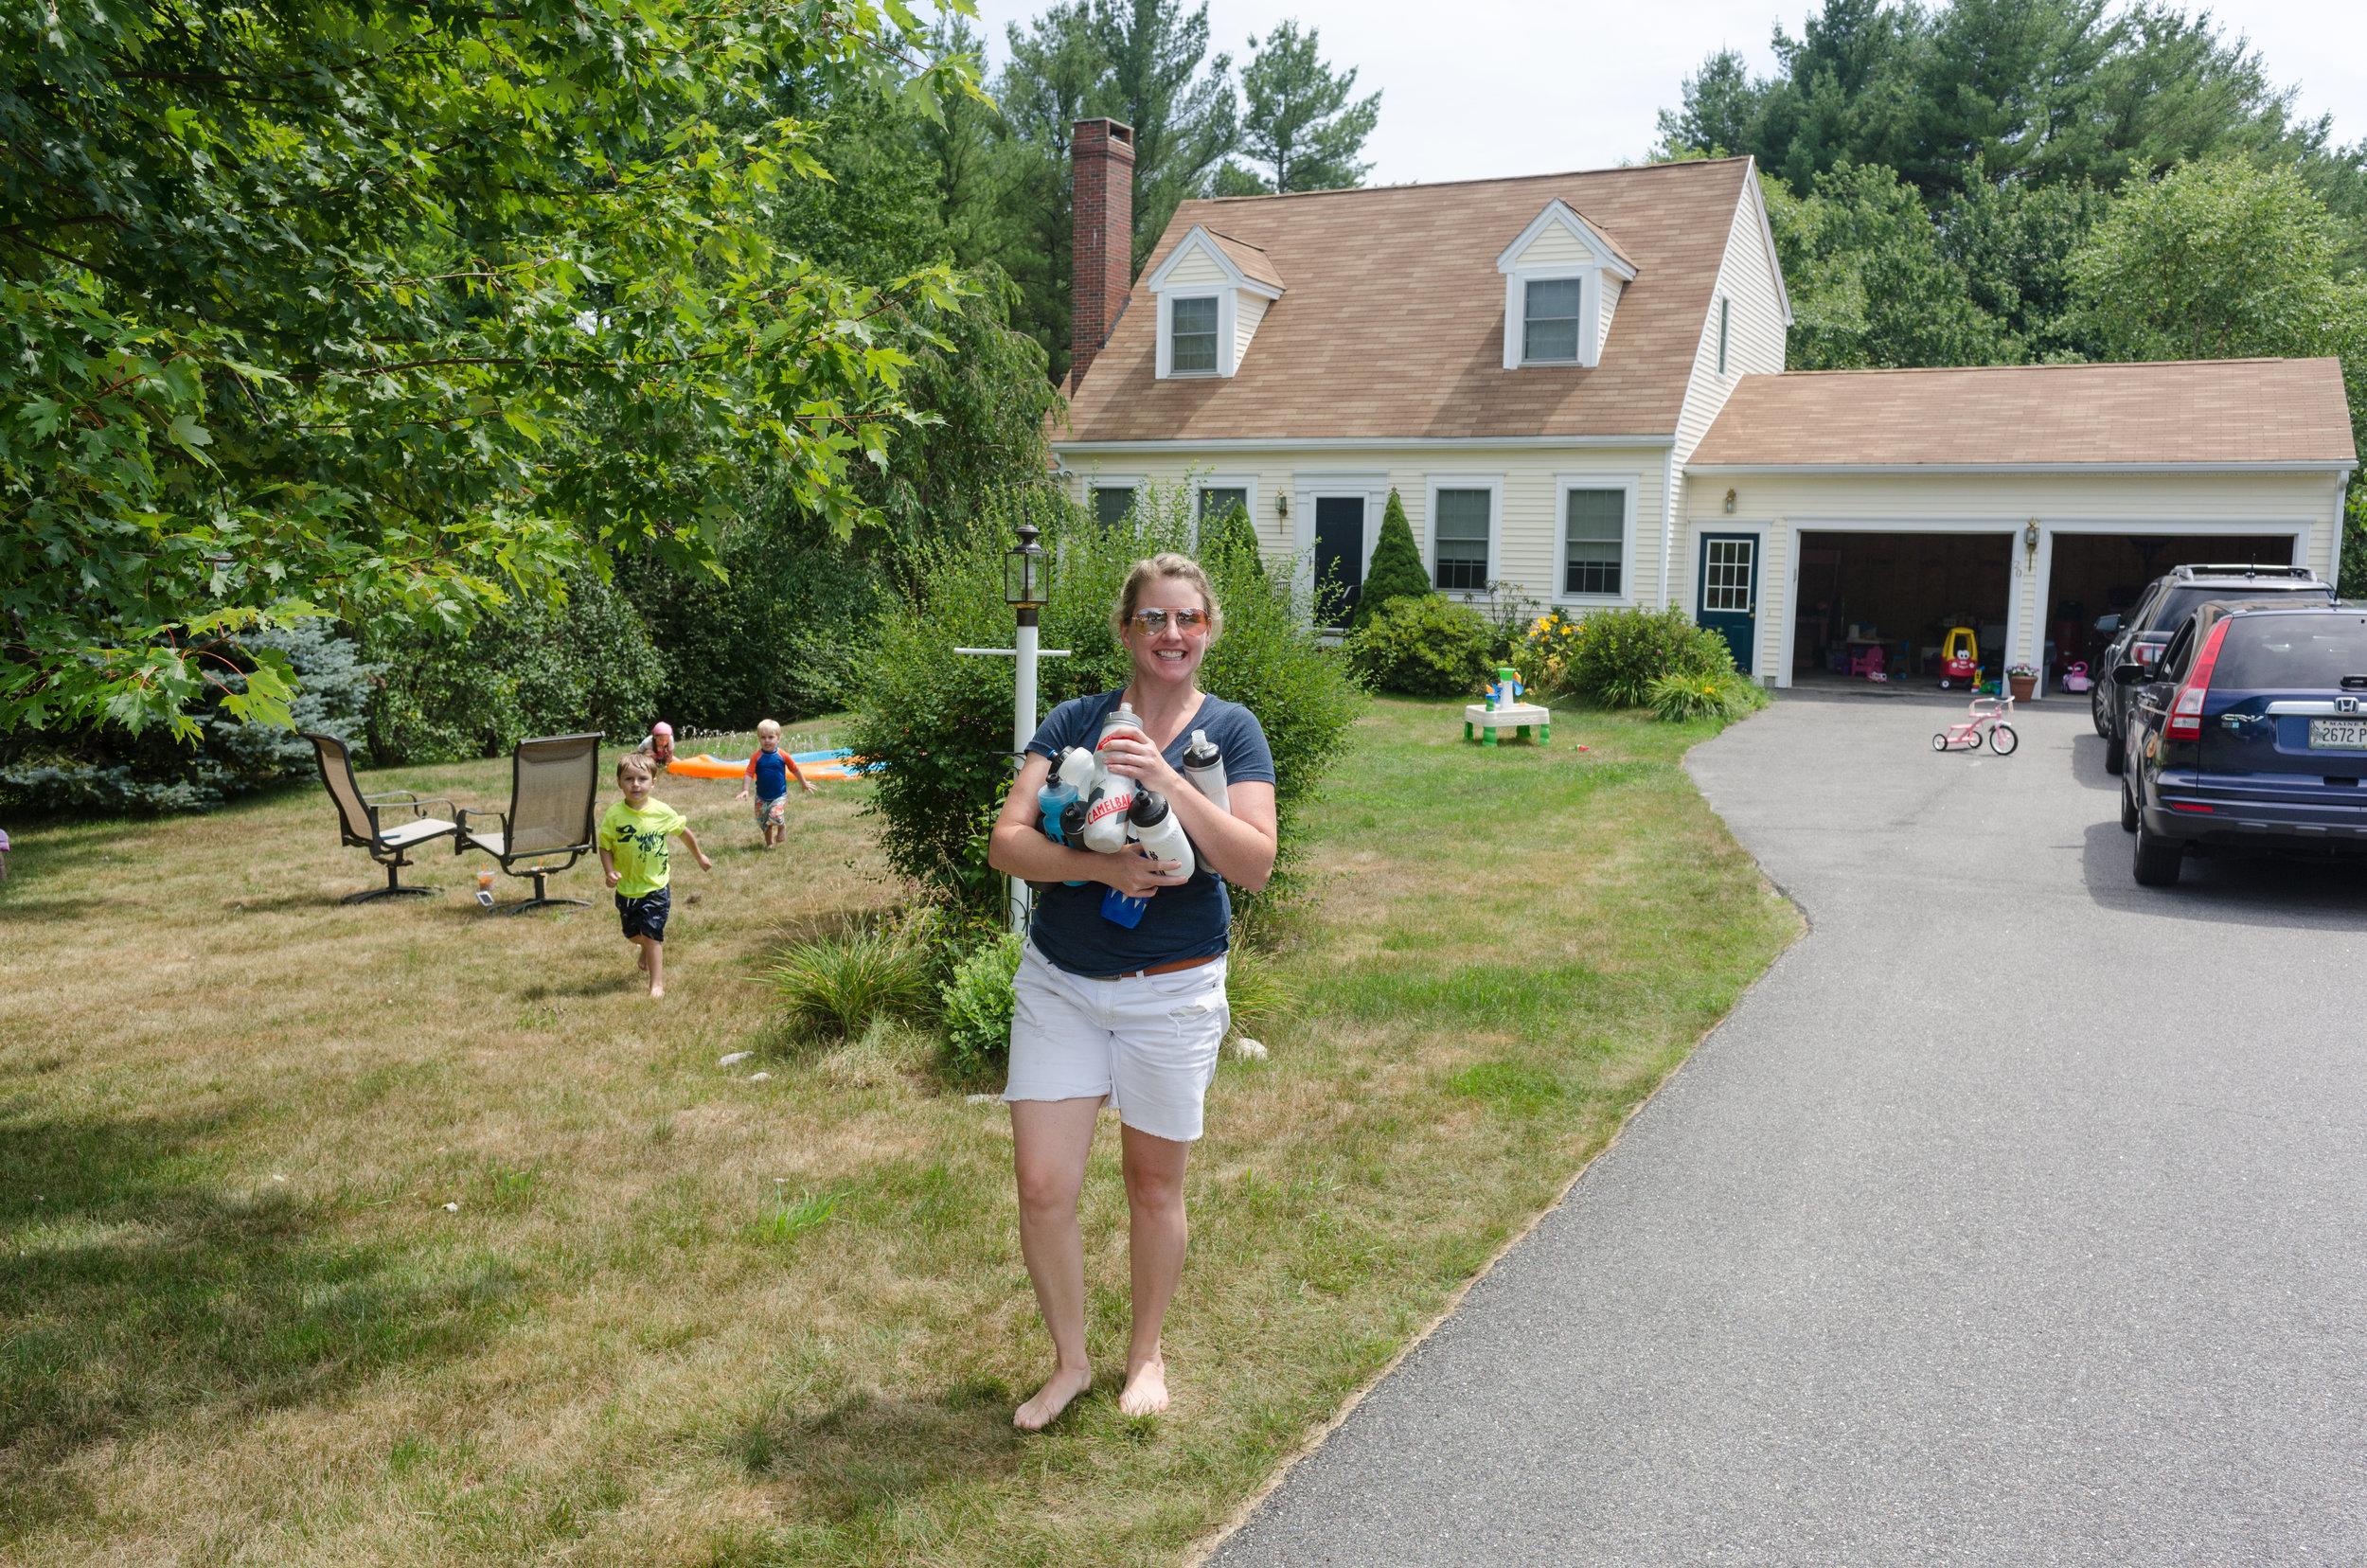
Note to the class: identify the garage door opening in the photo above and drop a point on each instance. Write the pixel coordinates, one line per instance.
(1886, 601)
(2091, 576)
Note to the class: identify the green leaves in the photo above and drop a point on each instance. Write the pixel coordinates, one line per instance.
(398, 309)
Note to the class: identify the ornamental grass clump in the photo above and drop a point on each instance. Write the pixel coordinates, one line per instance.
(838, 987)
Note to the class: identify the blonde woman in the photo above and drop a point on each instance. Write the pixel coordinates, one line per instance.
(1128, 1016)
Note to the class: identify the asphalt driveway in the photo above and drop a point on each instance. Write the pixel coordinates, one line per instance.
(2017, 1216)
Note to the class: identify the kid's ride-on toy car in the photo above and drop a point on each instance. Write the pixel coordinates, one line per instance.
(1960, 657)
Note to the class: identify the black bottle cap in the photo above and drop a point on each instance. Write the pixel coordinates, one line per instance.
(1150, 808)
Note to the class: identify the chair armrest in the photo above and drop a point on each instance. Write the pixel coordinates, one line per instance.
(406, 800)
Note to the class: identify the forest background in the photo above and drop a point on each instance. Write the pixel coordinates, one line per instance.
(1987, 182)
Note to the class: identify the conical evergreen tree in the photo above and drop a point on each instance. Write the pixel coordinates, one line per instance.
(1232, 532)
(1396, 571)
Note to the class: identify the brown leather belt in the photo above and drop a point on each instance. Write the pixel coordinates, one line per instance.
(1179, 964)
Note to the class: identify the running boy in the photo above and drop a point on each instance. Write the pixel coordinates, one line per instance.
(771, 769)
(634, 853)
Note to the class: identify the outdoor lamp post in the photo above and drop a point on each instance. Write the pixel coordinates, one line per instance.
(1027, 591)
(1026, 588)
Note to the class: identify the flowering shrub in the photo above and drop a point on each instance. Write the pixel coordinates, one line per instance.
(1545, 654)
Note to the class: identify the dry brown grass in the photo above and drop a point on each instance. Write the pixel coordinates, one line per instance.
(684, 1317)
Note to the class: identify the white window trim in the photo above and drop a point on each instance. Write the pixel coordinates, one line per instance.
(1589, 314)
(1563, 484)
(1246, 481)
(1226, 327)
(1494, 484)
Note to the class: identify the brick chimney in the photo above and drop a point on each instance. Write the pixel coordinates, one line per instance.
(1102, 155)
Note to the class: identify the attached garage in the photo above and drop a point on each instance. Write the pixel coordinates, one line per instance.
(1867, 509)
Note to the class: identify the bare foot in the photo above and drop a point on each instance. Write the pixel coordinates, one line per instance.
(1146, 1392)
(1053, 1398)
(657, 993)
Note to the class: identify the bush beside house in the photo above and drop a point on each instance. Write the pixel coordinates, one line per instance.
(1396, 571)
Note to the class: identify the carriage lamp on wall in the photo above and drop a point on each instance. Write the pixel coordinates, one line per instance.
(1281, 505)
(1730, 503)
(2030, 539)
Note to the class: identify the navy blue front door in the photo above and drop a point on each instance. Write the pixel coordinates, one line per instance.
(1340, 548)
(1729, 597)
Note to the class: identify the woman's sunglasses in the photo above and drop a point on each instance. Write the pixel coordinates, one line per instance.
(1187, 621)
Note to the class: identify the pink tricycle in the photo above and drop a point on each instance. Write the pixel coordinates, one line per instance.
(1988, 714)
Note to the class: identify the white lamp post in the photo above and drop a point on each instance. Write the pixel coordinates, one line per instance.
(1027, 588)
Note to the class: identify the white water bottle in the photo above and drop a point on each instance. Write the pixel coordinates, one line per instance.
(1112, 795)
(1203, 764)
(1161, 836)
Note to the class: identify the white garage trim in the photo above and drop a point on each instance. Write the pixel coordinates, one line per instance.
(1795, 526)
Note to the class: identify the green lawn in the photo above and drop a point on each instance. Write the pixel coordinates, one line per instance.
(682, 1316)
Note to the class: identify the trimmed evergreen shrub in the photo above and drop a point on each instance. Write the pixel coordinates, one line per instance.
(1396, 571)
(1425, 646)
(941, 722)
(1620, 652)
(1235, 532)
(114, 770)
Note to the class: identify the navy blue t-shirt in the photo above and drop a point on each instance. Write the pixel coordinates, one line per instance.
(1187, 920)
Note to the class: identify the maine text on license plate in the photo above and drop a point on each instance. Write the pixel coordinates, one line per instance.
(2338, 735)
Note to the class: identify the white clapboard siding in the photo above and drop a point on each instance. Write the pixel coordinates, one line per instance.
(1249, 310)
(1556, 247)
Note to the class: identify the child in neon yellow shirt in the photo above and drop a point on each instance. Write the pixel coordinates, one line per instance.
(634, 853)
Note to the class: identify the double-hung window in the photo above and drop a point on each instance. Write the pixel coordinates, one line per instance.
(1550, 334)
(1459, 539)
(1594, 534)
(1217, 500)
(1112, 504)
(1194, 329)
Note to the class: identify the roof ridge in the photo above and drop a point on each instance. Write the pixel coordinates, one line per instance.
(2043, 365)
(1492, 179)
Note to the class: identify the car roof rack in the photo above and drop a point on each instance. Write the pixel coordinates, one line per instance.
(2242, 569)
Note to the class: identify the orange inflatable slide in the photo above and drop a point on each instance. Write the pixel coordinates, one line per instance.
(822, 767)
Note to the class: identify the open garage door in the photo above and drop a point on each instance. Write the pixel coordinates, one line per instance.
(2093, 574)
(1885, 600)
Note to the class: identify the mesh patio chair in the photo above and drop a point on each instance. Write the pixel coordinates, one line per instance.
(554, 784)
(357, 820)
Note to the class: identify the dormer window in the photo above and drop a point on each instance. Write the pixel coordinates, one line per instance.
(1562, 281)
(1213, 290)
(1551, 332)
(1194, 328)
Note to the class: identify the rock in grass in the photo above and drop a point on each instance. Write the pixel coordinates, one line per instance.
(735, 1058)
(984, 1099)
(760, 1077)
(452, 1208)
(1248, 1050)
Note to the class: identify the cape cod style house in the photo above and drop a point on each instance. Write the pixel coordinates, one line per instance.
(1576, 384)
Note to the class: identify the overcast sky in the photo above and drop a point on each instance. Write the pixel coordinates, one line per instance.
(1490, 87)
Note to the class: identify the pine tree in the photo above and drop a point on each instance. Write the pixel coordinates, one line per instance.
(1234, 531)
(1396, 571)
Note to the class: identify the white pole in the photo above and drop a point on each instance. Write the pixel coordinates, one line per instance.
(1023, 731)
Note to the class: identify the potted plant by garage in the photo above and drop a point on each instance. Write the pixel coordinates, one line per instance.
(2022, 680)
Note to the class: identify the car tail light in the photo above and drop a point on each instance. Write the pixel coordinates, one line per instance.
(2186, 708)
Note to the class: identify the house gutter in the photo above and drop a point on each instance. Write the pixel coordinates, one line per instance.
(1358, 443)
(2006, 471)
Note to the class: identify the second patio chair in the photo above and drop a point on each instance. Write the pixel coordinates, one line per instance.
(359, 823)
(554, 784)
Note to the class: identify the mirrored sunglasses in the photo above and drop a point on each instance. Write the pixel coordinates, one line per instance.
(1187, 621)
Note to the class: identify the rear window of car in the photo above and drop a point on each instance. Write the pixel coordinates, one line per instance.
(2179, 603)
(2291, 652)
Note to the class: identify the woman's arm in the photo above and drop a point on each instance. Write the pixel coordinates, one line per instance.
(1237, 845)
(1019, 848)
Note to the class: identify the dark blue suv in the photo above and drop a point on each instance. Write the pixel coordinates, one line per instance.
(2250, 733)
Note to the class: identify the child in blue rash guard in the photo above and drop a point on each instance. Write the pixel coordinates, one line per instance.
(769, 770)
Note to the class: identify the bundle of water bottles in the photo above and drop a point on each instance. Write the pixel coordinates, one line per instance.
(1086, 806)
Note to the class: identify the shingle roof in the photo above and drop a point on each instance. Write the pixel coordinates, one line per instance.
(1253, 262)
(2198, 411)
(1393, 322)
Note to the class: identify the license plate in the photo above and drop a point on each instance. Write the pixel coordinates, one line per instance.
(2338, 735)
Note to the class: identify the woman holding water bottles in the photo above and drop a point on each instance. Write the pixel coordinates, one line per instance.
(1128, 1014)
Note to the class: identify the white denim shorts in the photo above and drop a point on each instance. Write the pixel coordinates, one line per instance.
(1149, 1046)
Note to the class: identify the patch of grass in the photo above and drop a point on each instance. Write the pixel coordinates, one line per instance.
(838, 986)
(685, 1316)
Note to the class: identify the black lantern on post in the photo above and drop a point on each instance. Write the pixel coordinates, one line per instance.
(1025, 587)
